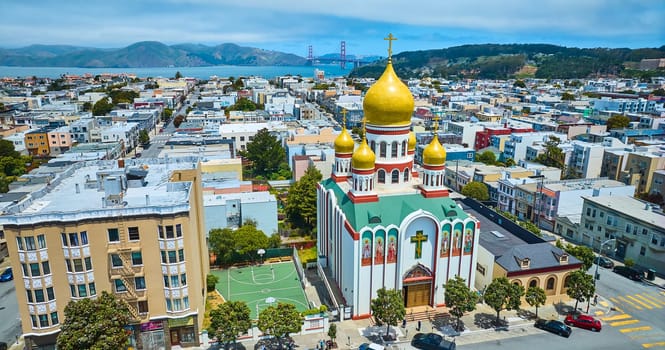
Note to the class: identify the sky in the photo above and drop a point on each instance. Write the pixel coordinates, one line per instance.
(293, 25)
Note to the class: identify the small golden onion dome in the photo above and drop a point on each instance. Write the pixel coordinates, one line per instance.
(434, 153)
(363, 158)
(412, 141)
(344, 142)
(388, 102)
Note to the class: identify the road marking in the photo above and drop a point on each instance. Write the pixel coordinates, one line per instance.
(636, 329)
(640, 302)
(603, 303)
(617, 317)
(599, 313)
(651, 297)
(623, 323)
(650, 345)
(648, 300)
(630, 303)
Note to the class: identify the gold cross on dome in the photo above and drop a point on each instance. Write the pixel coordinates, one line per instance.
(344, 117)
(390, 39)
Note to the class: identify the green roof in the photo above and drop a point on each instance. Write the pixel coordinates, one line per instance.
(392, 209)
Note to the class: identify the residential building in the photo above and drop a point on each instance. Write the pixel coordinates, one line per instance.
(60, 140)
(226, 207)
(586, 160)
(142, 242)
(515, 148)
(36, 142)
(640, 167)
(658, 183)
(637, 226)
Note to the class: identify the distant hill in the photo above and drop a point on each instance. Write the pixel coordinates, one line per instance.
(495, 61)
(145, 54)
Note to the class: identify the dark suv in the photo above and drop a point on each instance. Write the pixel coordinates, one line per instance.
(431, 341)
(628, 272)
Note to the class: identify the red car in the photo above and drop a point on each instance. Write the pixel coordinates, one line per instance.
(583, 321)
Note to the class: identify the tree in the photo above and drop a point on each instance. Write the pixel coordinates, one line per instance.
(567, 96)
(102, 107)
(388, 308)
(580, 286)
(144, 137)
(242, 104)
(519, 83)
(280, 320)
(487, 157)
(229, 320)
(629, 262)
(617, 122)
(87, 106)
(582, 253)
(274, 241)
(178, 120)
(656, 92)
(236, 245)
(211, 282)
(332, 331)
(301, 200)
(221, 244)
(501, 294)
(535, 296)
(476, 190)
(553, 155)
(265, 152)
(95, 324)
(178, 75)
(167, 113)
(459, 298)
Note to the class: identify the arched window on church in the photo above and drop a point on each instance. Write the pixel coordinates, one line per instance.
(395, 176)
(438, 180)
(393, 150)
(426, 179)
(382, 177)
(372, 145)
(406, 175)
(403, 148)
(382, 149)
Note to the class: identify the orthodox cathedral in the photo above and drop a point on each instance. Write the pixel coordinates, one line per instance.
(383, 223)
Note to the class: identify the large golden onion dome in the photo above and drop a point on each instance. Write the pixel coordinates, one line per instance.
(434, 154)
(344, 142)
(363, 158)
(388, 102)
(412, 141)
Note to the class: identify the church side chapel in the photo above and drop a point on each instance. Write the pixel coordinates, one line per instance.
(384, 223)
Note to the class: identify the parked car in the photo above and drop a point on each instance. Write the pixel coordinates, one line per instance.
(583, 321)
(628, 272)
(370, 346)
(603, 262)
(3, 345)
(431, 341)
(554, 326)
(8, 275)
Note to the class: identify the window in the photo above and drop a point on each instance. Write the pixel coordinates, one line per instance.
(115, 260)
(39, 296)
(175, 282)
(168, 305)
(382, 177)
(30, 243)
(406, 175)
(183, 279)
(645, 231)
(166, 281)
(78, 265)
(139, 282)
(114, 236)
(72, 290)
(172, 257)
(382, 150)
(160, 231)
(185, 301)
(43, 321)
(54, 318)
(533, 283)
(177, 305)
(84, 238)
(93, 290)
(63, 236)
(25, 269)
(34, 269)
(178, 230)
(394, 176)
(41, 241)
(163, 257)
(181, 255)
(73, 239)
(119, 286)
(588, 211)
(29, 293)
(550, 283)
(137, 258)
(393, 149)
(19, 243)
(83, 292)
(143, 306)
(169, 232)
(88, 264)
(480, 269)
(34, 321)
(46, 268)
(133, 233)
(49, 293)
(643, 251)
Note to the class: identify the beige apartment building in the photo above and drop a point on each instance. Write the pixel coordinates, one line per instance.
(135, 229)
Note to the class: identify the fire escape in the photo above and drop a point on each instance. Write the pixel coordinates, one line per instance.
(127, 271)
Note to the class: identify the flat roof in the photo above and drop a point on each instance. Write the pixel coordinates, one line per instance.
(492, 242)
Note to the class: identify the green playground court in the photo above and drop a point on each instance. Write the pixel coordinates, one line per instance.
(262, 285)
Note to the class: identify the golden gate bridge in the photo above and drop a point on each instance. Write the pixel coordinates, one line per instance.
(342, 59)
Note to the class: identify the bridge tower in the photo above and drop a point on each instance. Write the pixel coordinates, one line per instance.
(310, 53)
(342, 54)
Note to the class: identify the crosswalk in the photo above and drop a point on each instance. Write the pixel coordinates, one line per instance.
(637, 331)
(640, 301)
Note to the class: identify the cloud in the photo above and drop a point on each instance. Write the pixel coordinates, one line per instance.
(295, 24)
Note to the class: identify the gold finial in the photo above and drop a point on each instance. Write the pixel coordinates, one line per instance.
(390, 39)
(344, 117)
(436, 125)
(364, 129)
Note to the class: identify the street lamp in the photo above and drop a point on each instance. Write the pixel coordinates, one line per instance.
(595, 274)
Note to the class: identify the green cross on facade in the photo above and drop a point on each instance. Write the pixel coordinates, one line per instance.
(418, 239)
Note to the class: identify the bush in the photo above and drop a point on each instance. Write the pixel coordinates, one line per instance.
(211, 281)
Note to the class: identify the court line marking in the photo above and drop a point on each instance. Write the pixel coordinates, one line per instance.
(636, 329)
(650, 345)
(629, 302)
(623, 323)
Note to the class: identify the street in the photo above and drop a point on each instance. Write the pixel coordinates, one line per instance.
(10, 327)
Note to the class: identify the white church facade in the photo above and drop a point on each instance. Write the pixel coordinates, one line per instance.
(383, 223)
